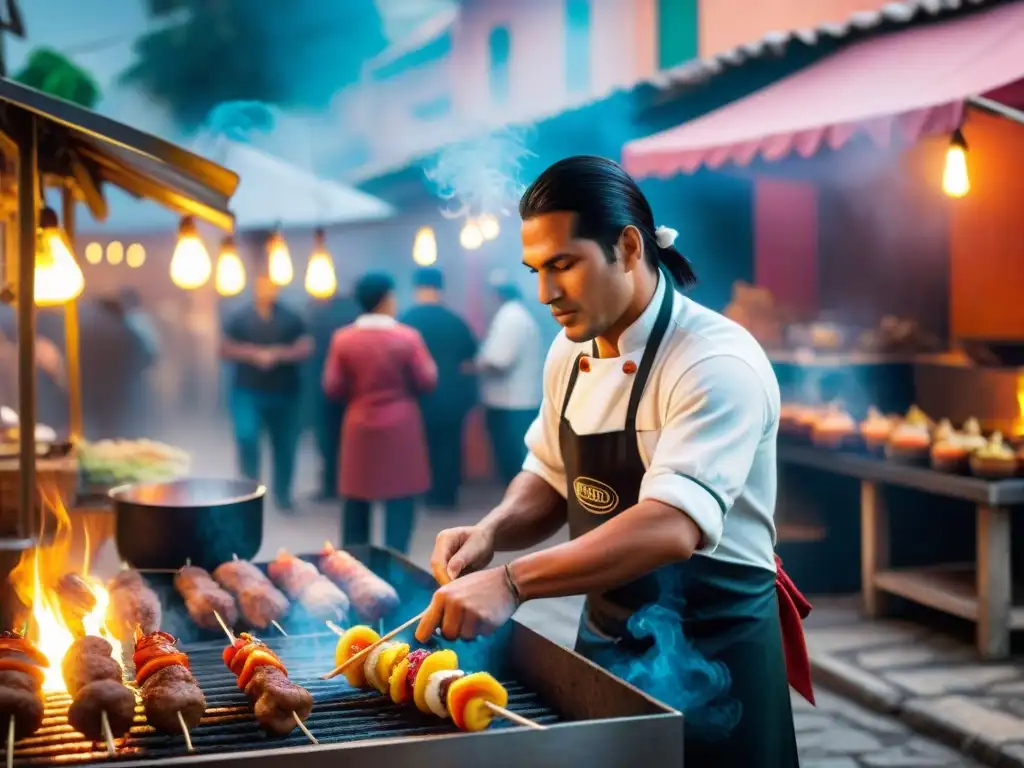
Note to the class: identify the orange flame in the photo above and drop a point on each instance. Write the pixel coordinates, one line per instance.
(34, 581)
(1018, 423)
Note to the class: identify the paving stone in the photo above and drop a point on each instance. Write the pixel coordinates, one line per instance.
(853, 681)
(1008, 689)
(936, 681)
(886, 658)
(922, 746)
(849, 741)
(861, 637)
(1014, 752)
(829, 762)
(961, 716)
(810, 722)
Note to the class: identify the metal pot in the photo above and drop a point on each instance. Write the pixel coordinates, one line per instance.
(206, 521)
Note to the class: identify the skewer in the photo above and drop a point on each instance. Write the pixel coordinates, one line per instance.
(335, 628)
(279, 628)
(185, 733)
(295, 715)
(513, 717)
(10, 743)
(158, 570)
(357, 658)
(107, 733)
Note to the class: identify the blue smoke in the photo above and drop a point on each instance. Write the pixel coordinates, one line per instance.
(240, 120)
(481, 176)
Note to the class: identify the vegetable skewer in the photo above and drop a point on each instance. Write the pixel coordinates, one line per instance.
(364, 651)
(171, 697)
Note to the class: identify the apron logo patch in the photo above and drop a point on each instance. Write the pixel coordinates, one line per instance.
(594, 496)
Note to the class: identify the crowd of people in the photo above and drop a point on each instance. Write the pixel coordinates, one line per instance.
(389, 384)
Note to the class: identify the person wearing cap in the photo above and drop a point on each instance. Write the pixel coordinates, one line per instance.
(656, 443)
(510, 363)
(452, 345)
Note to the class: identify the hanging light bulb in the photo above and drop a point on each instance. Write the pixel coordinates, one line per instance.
(190, 264)
(58, 277)
(955, 180)
(489, 226)
(279, 266)
(424, 247)
(320, 280)
(230, 277)
(471, 237)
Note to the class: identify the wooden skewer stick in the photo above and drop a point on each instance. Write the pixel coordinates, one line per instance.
(10, 743)
(303, 728)
(335, 628)
(228, 632)
(279, 628)
(107, 734)
(513, 717)
(357, 658)
(185, 733)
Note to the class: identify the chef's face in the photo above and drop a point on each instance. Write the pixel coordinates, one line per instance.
(586, 292)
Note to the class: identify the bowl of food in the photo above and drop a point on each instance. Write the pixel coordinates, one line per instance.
(107, 464)
(206, 521)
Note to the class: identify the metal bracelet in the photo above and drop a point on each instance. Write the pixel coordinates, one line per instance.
(512, 586)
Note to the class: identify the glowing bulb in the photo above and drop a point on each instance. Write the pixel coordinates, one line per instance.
(94, 253)
(115, 253)
(955, 180)
(135, 256)
(280, 260)
(471, 237)
(229, 279)
(58, 277)
(489, 226)
(320, 280)
(424, 247)
(190, 265)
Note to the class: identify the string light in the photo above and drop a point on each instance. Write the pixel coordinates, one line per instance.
(489, 226)
(320, 280)
(424, 247)
(279, 265)
(471, 237)
(58, 277)
(229, 279)
(135, 256)
(190, 265)
(955, 180)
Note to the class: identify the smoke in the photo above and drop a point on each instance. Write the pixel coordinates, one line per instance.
(481, 175)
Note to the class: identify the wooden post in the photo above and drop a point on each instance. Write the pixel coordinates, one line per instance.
(874, 546)
(25, 290)
(72, 341)
(994, 582)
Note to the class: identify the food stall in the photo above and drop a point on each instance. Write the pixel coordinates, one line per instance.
(47, 142)
(887, 279)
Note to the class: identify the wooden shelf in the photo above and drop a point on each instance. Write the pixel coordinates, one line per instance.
(947, 588)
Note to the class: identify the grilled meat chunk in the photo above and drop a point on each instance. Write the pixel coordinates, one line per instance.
(168, 692)
(85, 714)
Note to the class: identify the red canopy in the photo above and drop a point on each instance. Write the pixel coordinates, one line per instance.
(905, 84)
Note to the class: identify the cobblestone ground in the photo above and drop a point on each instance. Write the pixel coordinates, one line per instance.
(906, 669)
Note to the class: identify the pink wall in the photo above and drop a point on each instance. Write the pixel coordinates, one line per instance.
(786, 241)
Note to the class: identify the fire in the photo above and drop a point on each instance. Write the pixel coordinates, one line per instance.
(34, 581)
(1018, 426)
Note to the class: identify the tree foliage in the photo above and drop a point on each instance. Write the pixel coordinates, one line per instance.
(53, 73)
(289, 54)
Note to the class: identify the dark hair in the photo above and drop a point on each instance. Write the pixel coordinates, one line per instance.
(371, 289)
(605, 200)
(428, 277)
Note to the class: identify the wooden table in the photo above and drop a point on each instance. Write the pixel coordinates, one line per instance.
(982, 592)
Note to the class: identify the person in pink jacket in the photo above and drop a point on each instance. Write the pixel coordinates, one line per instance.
(380, 367)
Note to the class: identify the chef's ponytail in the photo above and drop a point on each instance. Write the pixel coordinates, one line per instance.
(605, 200)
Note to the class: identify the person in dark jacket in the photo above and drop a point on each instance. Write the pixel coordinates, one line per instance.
(452, 345)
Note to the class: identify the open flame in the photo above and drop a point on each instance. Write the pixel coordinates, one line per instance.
(35, 579)
(1018, 423)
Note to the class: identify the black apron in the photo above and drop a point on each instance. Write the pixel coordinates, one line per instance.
(702, 636)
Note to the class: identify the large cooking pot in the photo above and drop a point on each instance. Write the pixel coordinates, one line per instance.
(206, 521)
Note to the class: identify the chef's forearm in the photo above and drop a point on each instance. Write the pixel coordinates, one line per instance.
(530, 512)
(631, 544)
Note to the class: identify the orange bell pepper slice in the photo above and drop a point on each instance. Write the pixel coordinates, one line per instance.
(26, 668)
(466, 698)
(153, 666)
(25, 648)
(261, 657)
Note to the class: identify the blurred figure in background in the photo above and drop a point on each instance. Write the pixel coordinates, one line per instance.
(325, 317)
(510, 365)
(140, 323)
(452, 345)
(380, 368)
(268, 343)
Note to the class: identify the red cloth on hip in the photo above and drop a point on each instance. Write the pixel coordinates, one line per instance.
(793, 609)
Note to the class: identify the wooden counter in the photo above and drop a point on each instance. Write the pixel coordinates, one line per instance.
(983, 592)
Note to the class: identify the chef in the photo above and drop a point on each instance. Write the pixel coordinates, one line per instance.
(656, 443)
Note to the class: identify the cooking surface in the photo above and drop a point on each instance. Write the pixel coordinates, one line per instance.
(340, 713)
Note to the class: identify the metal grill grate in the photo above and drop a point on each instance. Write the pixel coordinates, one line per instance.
(340, 714)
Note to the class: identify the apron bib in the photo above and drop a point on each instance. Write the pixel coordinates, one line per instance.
(737, 704)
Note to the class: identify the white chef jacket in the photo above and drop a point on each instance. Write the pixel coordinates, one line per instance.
(513, 346)
(706, 425)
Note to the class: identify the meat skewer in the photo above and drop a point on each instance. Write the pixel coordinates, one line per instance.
(170, 695)
(278, 703)
(132, 603)
(259, 601)
(76, 601)
(303, 583)
(21, 684)
(430, 680)
(203, 597)
(102, 707)
(371, 596)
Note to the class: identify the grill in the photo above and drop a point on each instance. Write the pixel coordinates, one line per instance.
(592, 716)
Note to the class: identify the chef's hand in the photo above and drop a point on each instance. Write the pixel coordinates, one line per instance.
(461, 550)
(476, 604)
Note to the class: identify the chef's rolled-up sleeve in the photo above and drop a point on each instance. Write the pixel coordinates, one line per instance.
(716, 416)
(544, 455)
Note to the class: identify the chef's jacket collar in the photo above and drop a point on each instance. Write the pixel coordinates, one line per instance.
(635, 336)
